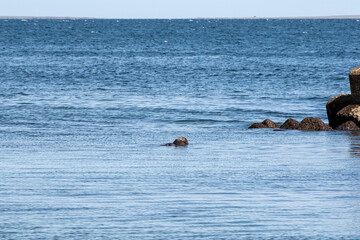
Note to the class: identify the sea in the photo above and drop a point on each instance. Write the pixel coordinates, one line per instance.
(86, 105)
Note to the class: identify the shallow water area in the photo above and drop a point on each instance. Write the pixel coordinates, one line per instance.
(87, 104)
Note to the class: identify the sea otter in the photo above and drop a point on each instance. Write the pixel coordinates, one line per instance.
(180, 142)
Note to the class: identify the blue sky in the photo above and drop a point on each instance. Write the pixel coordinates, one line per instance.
(178, 8)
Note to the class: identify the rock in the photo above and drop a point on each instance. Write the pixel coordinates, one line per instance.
(348, 126)
(258, 125)
(334, 105)
(290, 124)
(349, 113)
(313, 124)
(270, 124)
(354, 78)
(267, 123)
(180, 142)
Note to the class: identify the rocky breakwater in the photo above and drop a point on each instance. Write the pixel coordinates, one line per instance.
(344, 110)
(307, 124)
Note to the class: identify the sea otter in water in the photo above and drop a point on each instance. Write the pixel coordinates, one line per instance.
(180, 142)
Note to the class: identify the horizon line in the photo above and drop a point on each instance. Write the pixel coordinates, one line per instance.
(179, 18)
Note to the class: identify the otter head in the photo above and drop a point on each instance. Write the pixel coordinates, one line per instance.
(184, 140)
(181, 141)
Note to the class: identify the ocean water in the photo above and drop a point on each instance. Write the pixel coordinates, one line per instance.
(85, 106)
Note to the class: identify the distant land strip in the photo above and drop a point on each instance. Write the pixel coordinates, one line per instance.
(244, 18)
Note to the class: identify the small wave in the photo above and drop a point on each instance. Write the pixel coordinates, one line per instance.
(22, 94)
(44, 209)
(7, 95)
(231, 70)
(243, 110)
(316, 98)
(65, 107)
(101, 89)
(26, 103)
(203, 120)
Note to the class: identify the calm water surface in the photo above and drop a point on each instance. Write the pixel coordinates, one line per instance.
(86, 104)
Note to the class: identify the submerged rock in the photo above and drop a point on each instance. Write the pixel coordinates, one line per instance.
(258, 125)
(348, 126)
(313, 124)
(267, 123)
(334, 105)
(290, 124)
(349, 113)
(180, 142)
(270, 124)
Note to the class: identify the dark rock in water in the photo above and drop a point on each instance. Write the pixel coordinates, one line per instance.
(180, 142)
(348, 126)
(258, 125)
(354, 78)
(334, 105)
(290, 124)
(270, 124)
(313, 124)
(267, 123)
(349, 113)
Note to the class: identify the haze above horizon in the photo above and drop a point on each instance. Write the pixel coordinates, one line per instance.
(179, 9)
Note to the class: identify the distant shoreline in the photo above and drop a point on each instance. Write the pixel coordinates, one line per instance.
(225, 18)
